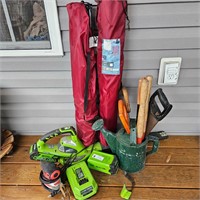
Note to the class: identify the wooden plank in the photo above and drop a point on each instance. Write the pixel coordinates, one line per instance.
(182, 142)
(174, 142)
(153, 15)
(64, 95)
(154, 39)
(39, 193)
(151, 176)
(164, 156)
(156, 176)
(25, 192)
(19, 155)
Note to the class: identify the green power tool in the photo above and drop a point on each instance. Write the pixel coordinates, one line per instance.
(69, 147)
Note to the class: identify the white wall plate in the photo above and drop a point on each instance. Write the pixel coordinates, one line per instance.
(169, 71)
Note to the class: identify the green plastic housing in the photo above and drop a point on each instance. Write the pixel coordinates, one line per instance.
(103, 162)
(81, 181)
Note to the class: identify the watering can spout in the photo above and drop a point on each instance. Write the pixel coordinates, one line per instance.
(109, 136)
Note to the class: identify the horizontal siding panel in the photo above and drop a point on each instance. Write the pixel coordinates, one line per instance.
(155, 39)
(64, 2)
(64, 95)
(38, 110)
(174, 94)
(132, 60)
(178, 110)
(179, 125)
(42, 125)
(36, 79)
(37, 125)
(151, 59)
(153, 15)
(37, 95)
(36, 64)
(175, 38)
(185, 110)
(68, 110)
(190, 58)
(182, 94)
(188, 77)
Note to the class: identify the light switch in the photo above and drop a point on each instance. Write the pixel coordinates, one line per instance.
(169, 71)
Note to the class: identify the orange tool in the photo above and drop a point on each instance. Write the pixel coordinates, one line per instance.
(141, 111)
(123, 115)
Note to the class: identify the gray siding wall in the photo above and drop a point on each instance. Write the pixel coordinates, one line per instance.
(36, 93)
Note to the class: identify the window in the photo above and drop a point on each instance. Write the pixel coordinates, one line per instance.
(29, 28)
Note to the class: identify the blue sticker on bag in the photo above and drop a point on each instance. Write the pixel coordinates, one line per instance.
(111, 56)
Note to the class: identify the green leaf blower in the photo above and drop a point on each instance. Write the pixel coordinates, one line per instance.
(69, 149)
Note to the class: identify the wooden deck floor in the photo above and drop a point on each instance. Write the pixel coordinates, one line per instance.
(170, 174)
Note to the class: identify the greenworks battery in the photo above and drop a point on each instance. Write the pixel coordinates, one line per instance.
(103, 162)
(81, 181)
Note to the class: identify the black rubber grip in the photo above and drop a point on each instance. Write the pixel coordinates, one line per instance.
(154, 107)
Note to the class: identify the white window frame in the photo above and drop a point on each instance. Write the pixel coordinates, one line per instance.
(54, 34)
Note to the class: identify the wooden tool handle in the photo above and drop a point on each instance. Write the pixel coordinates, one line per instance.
(141, 113)
(138, 97)
(126, 99)
(150, 79)
(138, 92)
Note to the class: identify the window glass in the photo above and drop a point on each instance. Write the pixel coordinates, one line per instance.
(4, 31)
(22, 22)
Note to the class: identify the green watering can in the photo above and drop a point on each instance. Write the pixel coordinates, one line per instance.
(131, 156)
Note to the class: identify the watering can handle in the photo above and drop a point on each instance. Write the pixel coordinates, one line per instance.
(57, 132)
(155, 146)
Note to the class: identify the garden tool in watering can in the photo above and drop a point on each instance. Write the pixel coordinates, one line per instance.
(141, 109)
(124, 109)
(126, 99)
(131, 156)
(155, 114)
